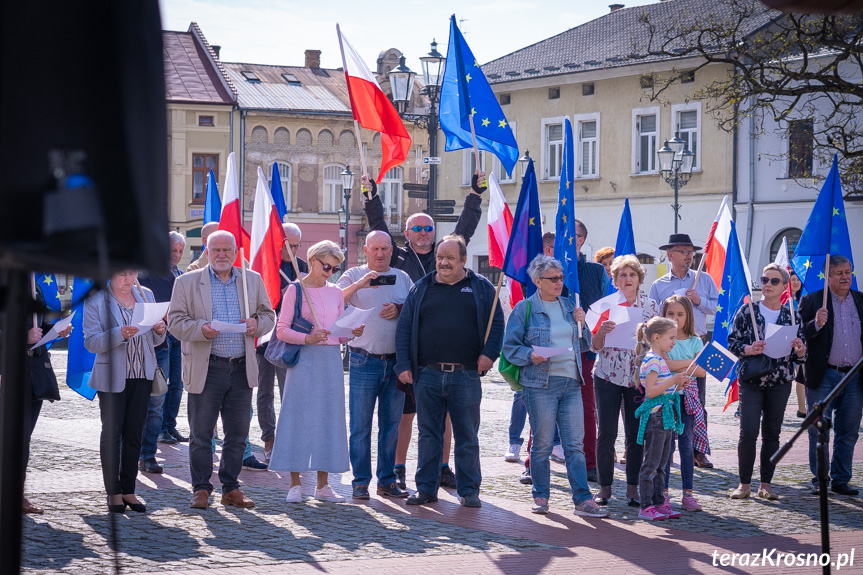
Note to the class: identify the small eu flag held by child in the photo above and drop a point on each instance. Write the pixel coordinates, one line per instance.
(716, 360)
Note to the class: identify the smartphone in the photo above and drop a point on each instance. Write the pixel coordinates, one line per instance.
(383, 281)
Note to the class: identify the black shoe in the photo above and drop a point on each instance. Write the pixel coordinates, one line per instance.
(525, 478)
(447, 477)
(400, 477)
(167, 438)
(391, 490)
(600, 500)
(136, 507)
(815, 488)
(360, 492)
(119, 508)
(470, 500)
(252, 464)
(633, 502)
(149, 465)
(591, 475)
(843, 489)
(800, 414)
(179, 436)
(421, 498)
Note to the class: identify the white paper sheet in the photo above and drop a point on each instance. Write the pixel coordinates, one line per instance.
(146, 315)
(609, 303)
(777, 344)
(548, 352)
(623, 334)
(225, 327)
(55, 329)
(681, 291)
(351, 318)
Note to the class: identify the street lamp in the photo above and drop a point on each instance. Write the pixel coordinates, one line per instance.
(347, 184)
(524, 160)
(401, 82)
(675, 167)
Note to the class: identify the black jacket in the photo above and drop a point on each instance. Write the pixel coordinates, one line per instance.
(820, 341)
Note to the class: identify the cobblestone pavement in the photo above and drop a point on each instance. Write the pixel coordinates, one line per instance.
(74, 534)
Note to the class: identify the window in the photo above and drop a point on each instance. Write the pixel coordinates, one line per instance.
(587, 89)
(587, 149)
(485, 270)
(201, 166)
(552, 147)
(468, 163)
(687, 77)
(285, 180)
(646, 124)
(333, 198)
(686, 118)
(800, 147)
(505, 99)
(646, 81)
(793, 236)
(291, 80)
(498, 168)
(206, 121)
(390, 192)
(250, 76)
(553, 93)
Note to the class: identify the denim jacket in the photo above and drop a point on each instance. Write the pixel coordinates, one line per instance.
(517, 346)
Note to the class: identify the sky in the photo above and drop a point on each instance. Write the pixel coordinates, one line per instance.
(280, 31)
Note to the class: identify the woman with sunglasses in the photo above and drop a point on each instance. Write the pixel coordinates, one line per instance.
(311, 434)
(552, 385)
(763, 401)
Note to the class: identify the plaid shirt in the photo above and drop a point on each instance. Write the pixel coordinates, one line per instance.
(693, 407)
(226, 307)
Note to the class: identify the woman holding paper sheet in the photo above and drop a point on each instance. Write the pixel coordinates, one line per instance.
(123, 375)
(763, 401)
(311, 434)
(616, 379)
(552, 383)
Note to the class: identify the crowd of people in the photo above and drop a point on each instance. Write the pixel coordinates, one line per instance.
(401, 363)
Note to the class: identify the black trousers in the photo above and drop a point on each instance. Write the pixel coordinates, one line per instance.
(608, 398)
(123, 416)
(762, 407)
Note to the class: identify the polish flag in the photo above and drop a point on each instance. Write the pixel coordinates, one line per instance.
(717, 242)
(373, 110)
(499, 229)
(231, 218)
(782, 260)
(267, 240)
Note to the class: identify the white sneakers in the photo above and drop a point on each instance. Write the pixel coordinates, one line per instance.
(326, 493)
(295, 494)
(513, 453)
(557, 454)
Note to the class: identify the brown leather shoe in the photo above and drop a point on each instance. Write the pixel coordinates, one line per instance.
(27, 507)
(701, 461)
(237, 499)
(200, 500)
(268, 448)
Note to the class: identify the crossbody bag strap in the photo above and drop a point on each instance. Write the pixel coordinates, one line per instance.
(526, 319)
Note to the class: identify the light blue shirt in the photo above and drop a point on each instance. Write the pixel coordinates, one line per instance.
(226, 307)
(706, 290)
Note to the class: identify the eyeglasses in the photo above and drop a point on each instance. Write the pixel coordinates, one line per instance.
(422, 228)
(328, 267)
(685, 252)
(772, 281)
(553, 279)
(294, 246)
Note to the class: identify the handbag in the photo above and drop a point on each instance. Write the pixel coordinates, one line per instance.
(160, 383)
(42, 377)
(511, 372)
(751, 368)
(281, 353)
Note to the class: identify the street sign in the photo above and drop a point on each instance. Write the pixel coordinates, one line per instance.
(431, 160)
(440, 210)
(444, 202)
(415, 187)
(418, 194)
(445, 219)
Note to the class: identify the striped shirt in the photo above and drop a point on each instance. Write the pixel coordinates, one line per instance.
(846, 348)
(134, 348)
(226, 307)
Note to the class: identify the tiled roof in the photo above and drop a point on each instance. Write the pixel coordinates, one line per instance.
(190, 75)
(617, 39)
(289, 88)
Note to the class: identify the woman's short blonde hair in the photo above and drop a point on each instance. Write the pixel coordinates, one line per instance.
(325, 248)
(783, 273)
(627, 261)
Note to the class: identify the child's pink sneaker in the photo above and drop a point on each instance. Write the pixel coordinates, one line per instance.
(651, 514)
(666, 510)
(689, 503)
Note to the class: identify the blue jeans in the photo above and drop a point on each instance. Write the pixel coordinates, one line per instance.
(844, 413)
(557, 406)
(172, 369)
(517, 419)
(153, 423)
(460, 394)
(372, 381)
(687, 455)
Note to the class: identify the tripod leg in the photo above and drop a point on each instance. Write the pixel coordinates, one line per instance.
(823, 458)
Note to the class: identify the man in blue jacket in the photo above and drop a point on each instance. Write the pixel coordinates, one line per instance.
(441, 350)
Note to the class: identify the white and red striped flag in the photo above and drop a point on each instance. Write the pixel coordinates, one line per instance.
(231, 218)
(267, 240)
(499, 229)
(717, 242)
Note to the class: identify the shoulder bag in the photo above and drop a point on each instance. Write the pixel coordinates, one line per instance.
(509, 371)
(281, 353)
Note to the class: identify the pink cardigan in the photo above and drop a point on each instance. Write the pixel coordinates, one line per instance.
(329, 304)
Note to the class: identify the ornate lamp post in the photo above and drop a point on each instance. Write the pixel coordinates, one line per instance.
(675, 166)
(347, 184)
(401, 82)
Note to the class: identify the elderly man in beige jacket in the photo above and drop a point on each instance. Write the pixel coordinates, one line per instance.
(219, 368)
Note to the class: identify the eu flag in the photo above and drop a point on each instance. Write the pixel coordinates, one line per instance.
(716, 360)
(565, 249)
(826, 232)
(733, 290)
(525, 240)
(276, 192)
(465, 92)
(625, 244)
(48, 283)
(212, 202)
(80, 360)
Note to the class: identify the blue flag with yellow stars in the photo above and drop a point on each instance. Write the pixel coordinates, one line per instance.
(80, 360)
(48, 283)
(525, 240)
(465, 92)
(826, 232)
(565, 246)
(212, 201)
(716, 360)
(625, 244)
(733, 290)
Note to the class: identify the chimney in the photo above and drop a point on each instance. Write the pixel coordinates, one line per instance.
(216, 50)
(313, 58)
(616, 7)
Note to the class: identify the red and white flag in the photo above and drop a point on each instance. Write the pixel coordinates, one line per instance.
(267, 240)
(231, 218)
(717, 243)
(373, 110)
(499, 229)
(782, 260)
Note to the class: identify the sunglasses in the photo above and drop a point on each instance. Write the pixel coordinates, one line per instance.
(772, 281)
(422, 228)
(554, 279)
(328, 267)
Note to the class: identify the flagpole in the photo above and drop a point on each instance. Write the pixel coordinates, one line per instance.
(475, 148)
(826, 275)
(306, 292)
(245, 286)
(791, 309)
(578, 304)
(33, 293)
(356, 126)
(493, 308)
(752, 315)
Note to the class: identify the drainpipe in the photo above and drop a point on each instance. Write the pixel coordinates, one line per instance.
(751, 203)
(735, 149)
(231, 137)
(240, 167)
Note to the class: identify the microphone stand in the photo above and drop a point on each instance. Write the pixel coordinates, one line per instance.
(822, 452)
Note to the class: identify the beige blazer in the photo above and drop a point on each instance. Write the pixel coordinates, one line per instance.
(192, 307)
